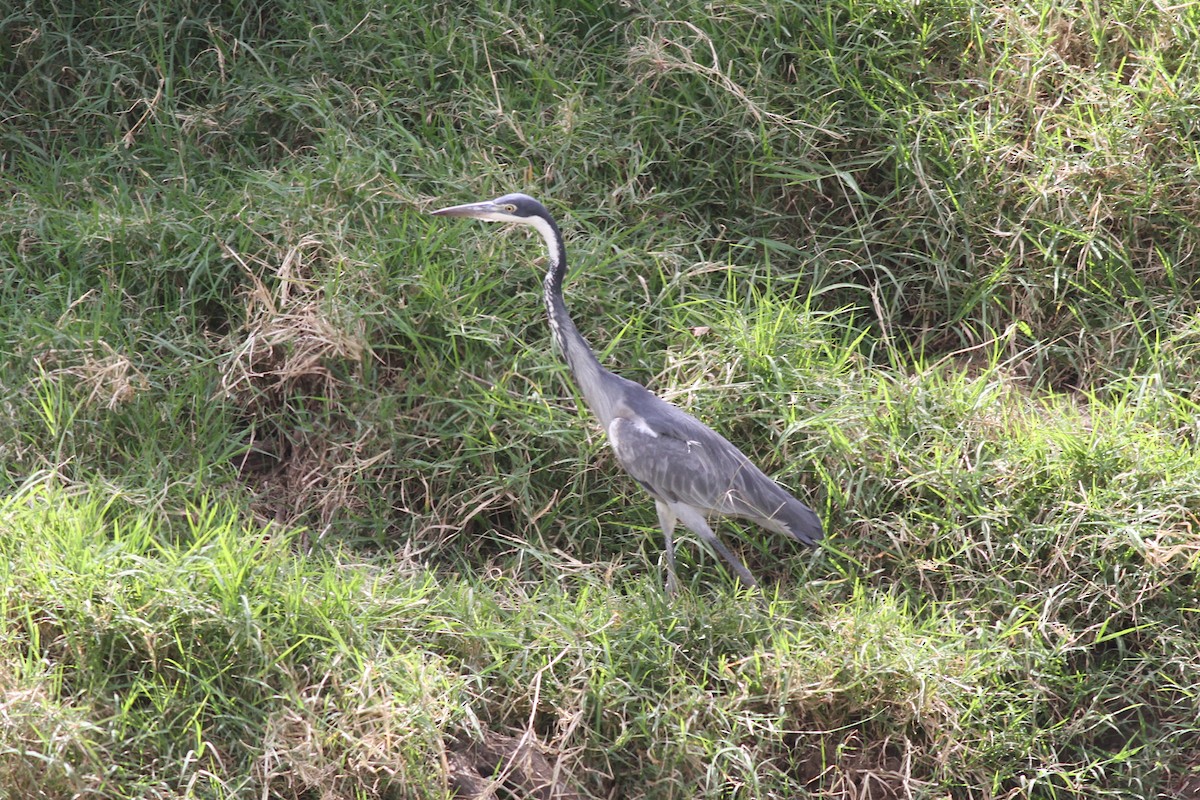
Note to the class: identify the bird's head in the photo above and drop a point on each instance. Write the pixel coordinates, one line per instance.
(519, 208)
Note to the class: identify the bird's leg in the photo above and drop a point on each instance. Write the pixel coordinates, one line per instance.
(697, 524)
(666, 520)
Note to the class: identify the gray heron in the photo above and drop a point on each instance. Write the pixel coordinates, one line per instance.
(692, 472)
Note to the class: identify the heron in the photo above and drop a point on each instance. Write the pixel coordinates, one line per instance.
(692, 472)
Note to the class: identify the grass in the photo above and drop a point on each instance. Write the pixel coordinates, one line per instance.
(296, 502)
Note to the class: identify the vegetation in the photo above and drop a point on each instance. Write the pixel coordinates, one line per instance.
(296, 502)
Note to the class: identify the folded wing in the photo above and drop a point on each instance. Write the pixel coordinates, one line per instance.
(679, 459)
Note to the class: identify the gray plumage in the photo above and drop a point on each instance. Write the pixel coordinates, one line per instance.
(690, 470)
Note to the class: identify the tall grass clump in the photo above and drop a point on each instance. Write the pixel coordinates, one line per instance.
(296, 501)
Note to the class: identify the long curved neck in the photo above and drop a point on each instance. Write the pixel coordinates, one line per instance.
(585, 368)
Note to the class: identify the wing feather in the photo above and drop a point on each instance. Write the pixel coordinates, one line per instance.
(679, 459)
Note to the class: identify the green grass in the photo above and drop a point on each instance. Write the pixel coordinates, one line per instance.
(296, 502)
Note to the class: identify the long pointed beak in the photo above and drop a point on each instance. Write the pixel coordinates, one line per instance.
(478, 210)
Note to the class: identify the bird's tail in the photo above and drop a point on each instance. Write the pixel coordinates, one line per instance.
(797, 520)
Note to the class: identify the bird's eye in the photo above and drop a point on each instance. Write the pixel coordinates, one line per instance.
(510, 208)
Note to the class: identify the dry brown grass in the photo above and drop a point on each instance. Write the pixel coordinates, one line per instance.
(295, 351)
(288, 338)
(45, 740)
(110, 379)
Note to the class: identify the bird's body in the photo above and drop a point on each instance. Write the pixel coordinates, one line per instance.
(690, 470)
